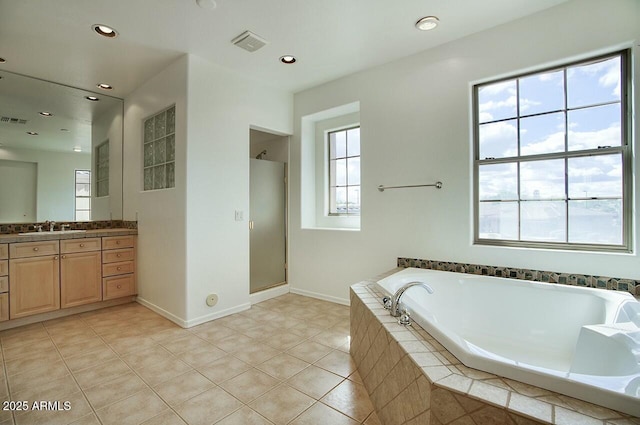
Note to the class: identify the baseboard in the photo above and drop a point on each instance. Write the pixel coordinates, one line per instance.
(218, 314)
(162, 312)
(343, 301)
(267, 294)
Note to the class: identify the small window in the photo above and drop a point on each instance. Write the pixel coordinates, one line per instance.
(102, 168)
(83, 195)
(552, 158)
(159, 147)
(344, 171)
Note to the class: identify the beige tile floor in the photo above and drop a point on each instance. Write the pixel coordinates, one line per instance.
(284, 361)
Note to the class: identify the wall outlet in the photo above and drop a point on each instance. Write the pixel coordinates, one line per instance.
(239, 215)
(212, 300)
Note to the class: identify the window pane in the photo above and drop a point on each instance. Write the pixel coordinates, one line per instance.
(497, 101)
(543, 221)
(498, 220)
(338, 144)
(83, 203)
(353, 207)
(340, 200)
(542, 179)
(595, 176)
(158, 177)
(541, 93)
(161, 125)
(353, 142)
(598, 222)
(148, 154)
(341, 172)
(148, 130)
(593, 127)
(83, 189)
(499, 139)
(83, 176)
(498, 182)
(159, 152)
(148, 179)
(171, 148)
(593, 83)
(353, 171)
(171, 120)
(83, 215)
(542, 134)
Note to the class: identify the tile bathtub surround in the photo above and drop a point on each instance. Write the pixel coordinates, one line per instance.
(10, 228)
(612, 283)
(412, 379)
(284, 361)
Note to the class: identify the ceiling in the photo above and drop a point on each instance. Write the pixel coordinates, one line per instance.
(53, 40)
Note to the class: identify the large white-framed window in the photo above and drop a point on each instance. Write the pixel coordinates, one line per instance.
(552, 157)
(344, 171)
(83, 195)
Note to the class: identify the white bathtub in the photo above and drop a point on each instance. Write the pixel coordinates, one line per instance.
(581, 342)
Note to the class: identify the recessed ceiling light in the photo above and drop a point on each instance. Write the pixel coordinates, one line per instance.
(92, 98)
(288, 59)
(64, 129)
(2, 60)
(105, 86)
(105, 30)
(32, 133)
(46, 114)
(427, 23)
(77, 149)
(207, 4)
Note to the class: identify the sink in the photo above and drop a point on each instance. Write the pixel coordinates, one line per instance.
(56, 232)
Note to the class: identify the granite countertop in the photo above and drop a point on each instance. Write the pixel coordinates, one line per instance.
(47, 236)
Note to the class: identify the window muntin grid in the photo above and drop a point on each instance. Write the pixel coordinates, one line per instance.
(344, 171)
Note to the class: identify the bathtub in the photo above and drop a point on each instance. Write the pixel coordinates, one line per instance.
(581, 342)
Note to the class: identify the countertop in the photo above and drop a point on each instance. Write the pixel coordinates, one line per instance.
(47, 236)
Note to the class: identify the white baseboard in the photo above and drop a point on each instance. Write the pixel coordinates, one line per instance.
(162, 312)
(267, 294)
(343, 301)
(193, 322)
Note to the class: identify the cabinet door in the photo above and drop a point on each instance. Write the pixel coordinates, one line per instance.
(80, 279)
(34, 285)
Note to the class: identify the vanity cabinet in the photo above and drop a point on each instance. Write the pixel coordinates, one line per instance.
(80, 272)
(118, 266)
(4, 282)
(34, 278)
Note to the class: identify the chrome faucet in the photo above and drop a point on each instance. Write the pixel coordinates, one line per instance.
(62, 227)
(51, 225)
(393, 304)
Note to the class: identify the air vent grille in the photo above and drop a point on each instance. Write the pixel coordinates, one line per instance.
(249, 41)
(10, 120)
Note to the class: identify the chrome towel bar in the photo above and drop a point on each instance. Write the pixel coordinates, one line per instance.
(437, 185)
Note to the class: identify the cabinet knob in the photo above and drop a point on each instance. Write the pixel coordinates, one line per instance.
(36, 249)
(81, 245)
(55, 258)
(118, 268)
(117, 242)
(118, 255)
(119, 287)
(64, 256)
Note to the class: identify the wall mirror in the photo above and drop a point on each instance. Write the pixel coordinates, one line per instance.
(60, 152)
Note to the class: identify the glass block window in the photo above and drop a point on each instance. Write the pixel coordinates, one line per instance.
(102, 169)
(159, 150)
(83, 195)
(344, 171)
(552, 157)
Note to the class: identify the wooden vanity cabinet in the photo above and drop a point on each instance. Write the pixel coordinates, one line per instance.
(34, 284)
(4, 282)
(80, 272)
(118, 266)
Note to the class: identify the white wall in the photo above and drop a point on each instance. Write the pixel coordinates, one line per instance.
(222, 108)
(55, 180)
(161, 214)
(415, 117)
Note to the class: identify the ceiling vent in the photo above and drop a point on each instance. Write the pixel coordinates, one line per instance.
(249, 41)
(9, 120)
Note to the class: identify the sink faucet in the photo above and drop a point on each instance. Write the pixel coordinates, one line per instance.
(51, 225)
(393, 304)
(62, 227)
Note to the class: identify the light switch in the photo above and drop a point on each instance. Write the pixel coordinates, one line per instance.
(239, 215)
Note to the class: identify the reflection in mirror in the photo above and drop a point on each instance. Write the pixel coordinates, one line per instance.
(60, 153)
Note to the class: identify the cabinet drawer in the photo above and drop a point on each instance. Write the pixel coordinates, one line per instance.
(33, 249)
(80, 245)
(4, 284)
(4, 267)
(116, 255)
(117, 242)
(122, 267)
(4, 251)
(118, 286)
(4, 307)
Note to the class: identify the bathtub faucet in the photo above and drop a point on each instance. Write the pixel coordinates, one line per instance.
(393, 304)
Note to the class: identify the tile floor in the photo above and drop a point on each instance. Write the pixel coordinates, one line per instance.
(284, 361)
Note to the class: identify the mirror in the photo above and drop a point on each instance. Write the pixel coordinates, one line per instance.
(60, 152)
